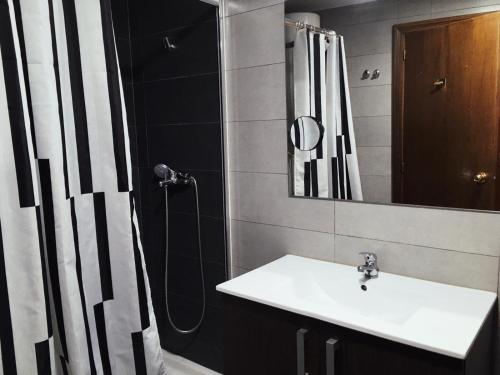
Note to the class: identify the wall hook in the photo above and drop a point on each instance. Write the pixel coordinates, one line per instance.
(168, 44)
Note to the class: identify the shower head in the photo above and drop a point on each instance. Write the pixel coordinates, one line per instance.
(163, 171)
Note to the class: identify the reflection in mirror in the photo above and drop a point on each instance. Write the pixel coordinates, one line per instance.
(316, 72)
(306, 133)
(418, 125)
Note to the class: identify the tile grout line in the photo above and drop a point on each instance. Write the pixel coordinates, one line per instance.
(421, 246)
(255, 66)
(250, 121)
(282, 226)
(256, 9)
(258, 172)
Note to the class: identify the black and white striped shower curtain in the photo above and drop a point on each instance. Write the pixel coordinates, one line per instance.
(74, 294)
(321, 91)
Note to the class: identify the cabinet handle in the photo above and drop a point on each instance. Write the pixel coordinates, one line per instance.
(301, 361)
(331, 347)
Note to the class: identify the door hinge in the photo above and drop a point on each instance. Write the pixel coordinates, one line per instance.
(404, 55)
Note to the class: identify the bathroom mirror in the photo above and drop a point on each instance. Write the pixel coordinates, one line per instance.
(306, 133)
(406, 99)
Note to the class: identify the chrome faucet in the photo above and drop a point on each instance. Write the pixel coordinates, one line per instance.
(370, 268)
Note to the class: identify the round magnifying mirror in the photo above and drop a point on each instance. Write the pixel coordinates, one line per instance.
(306, 133)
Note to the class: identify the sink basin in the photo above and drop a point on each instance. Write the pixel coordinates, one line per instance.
(436, 317)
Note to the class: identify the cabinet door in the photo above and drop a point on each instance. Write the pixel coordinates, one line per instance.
(346, 352)
(363, 354)
(260, 340)
(264, 341)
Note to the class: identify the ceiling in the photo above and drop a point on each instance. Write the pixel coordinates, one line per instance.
(312, 5)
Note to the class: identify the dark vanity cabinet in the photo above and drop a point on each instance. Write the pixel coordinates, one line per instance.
(262, 340)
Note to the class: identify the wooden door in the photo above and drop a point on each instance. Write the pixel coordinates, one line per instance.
(445, 126)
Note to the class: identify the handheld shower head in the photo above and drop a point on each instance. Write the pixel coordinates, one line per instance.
(163, 171)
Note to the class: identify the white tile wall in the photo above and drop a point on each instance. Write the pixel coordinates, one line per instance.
(371, 101)
(251, 46)
(410, 8)
(372, 131)
(374, 161)
(258, 244)
(258, 146)
(459, 12)
(445, 266)
(377, 188)
(447, 5)
(471, 232)
(256, 93)
(358, 64)
(366, 38)
(363, 13)
(263, 198)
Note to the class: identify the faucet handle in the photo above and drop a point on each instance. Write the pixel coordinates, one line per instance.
(370, 258)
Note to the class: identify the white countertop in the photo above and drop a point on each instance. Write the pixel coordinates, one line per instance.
(436, 317)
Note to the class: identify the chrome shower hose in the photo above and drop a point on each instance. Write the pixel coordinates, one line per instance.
(169, 316)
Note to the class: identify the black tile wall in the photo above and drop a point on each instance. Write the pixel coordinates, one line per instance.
(181, 148)
(182, 100)
(125, 56)
(173, 103)
(194, 53)
(156, 16)
(120, 18)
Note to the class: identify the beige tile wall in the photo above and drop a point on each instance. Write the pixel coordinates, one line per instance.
(450, 246)
(265, 223)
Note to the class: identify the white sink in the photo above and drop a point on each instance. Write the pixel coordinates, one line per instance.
(436, 317)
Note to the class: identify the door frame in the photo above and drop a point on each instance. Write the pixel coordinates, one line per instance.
(398, 84)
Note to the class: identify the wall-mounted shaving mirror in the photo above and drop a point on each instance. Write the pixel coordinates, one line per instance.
(409, 110)
(306, 133)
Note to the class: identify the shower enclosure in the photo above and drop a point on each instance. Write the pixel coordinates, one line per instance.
(169, 56)
(104, 259)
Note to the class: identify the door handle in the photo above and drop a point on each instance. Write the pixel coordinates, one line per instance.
(440, 82)
(481, 178)
(332, 346)
(301, 348)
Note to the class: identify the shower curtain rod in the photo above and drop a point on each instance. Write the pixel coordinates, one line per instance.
(303, 25)
(213, 2)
